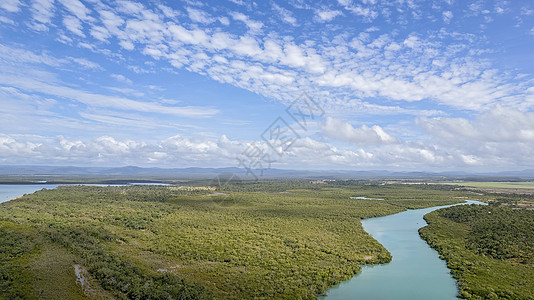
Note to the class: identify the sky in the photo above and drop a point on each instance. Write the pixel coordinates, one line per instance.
(354, 85)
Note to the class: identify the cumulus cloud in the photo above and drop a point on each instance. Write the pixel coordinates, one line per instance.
(497, 137)
(501, 125)
(10, 147)
(184, 151)
(364, 135)
(175, 151)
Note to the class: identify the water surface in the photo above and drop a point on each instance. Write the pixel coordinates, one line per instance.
(415, 272)
(11, 191)
(366, 198)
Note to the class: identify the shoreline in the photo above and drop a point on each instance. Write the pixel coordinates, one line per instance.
(348, 284)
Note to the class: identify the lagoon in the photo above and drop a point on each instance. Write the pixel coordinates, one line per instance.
(415, 272)
(11, 191)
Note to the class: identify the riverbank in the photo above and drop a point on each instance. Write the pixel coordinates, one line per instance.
(490, 250)
(415, 271)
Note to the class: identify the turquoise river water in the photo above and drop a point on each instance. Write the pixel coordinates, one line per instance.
(415, 272)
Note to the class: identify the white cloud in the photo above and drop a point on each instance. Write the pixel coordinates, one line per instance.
(347, 72)
(127, 91)
(325, 15)
(13, 55)
(224, 21)
(127, 45)
(78, 9)
(73, 25)
(199, 16)
(343, 131)
(254, 26)
(183, 151)
(6, 20)
(525, 11)
(10, 5)
(106, 145)
(369, 13)
(100, 100)
(447, 16)
(501, 125)
(168, 12)
(112, 22)
(85, 63)
(374, 66)
(42, 13)
(9, 147)
(501, 7)
(122, 78)
(247, 46)
(496, 138)
(285, 15)
(100, 33)
(476, 7)
(183, 35)
(238, 2)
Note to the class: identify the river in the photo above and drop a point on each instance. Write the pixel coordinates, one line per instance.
(415, 272)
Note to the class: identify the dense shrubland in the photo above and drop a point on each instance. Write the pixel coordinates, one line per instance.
(17, 245)
(489, 249)
(287, 239)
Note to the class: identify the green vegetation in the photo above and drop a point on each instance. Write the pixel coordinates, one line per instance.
(489, 249)
(262, 240)
(16, 247)
(511, 194)
(495, 185)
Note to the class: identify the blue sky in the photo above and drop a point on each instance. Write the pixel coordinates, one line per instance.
(402, 85)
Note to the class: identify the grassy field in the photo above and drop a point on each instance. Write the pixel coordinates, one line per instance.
(264, 240)
(490, 250)
(511, 194)
(494, 185)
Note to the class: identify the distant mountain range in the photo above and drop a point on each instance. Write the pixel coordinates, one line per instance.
(193, 172)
